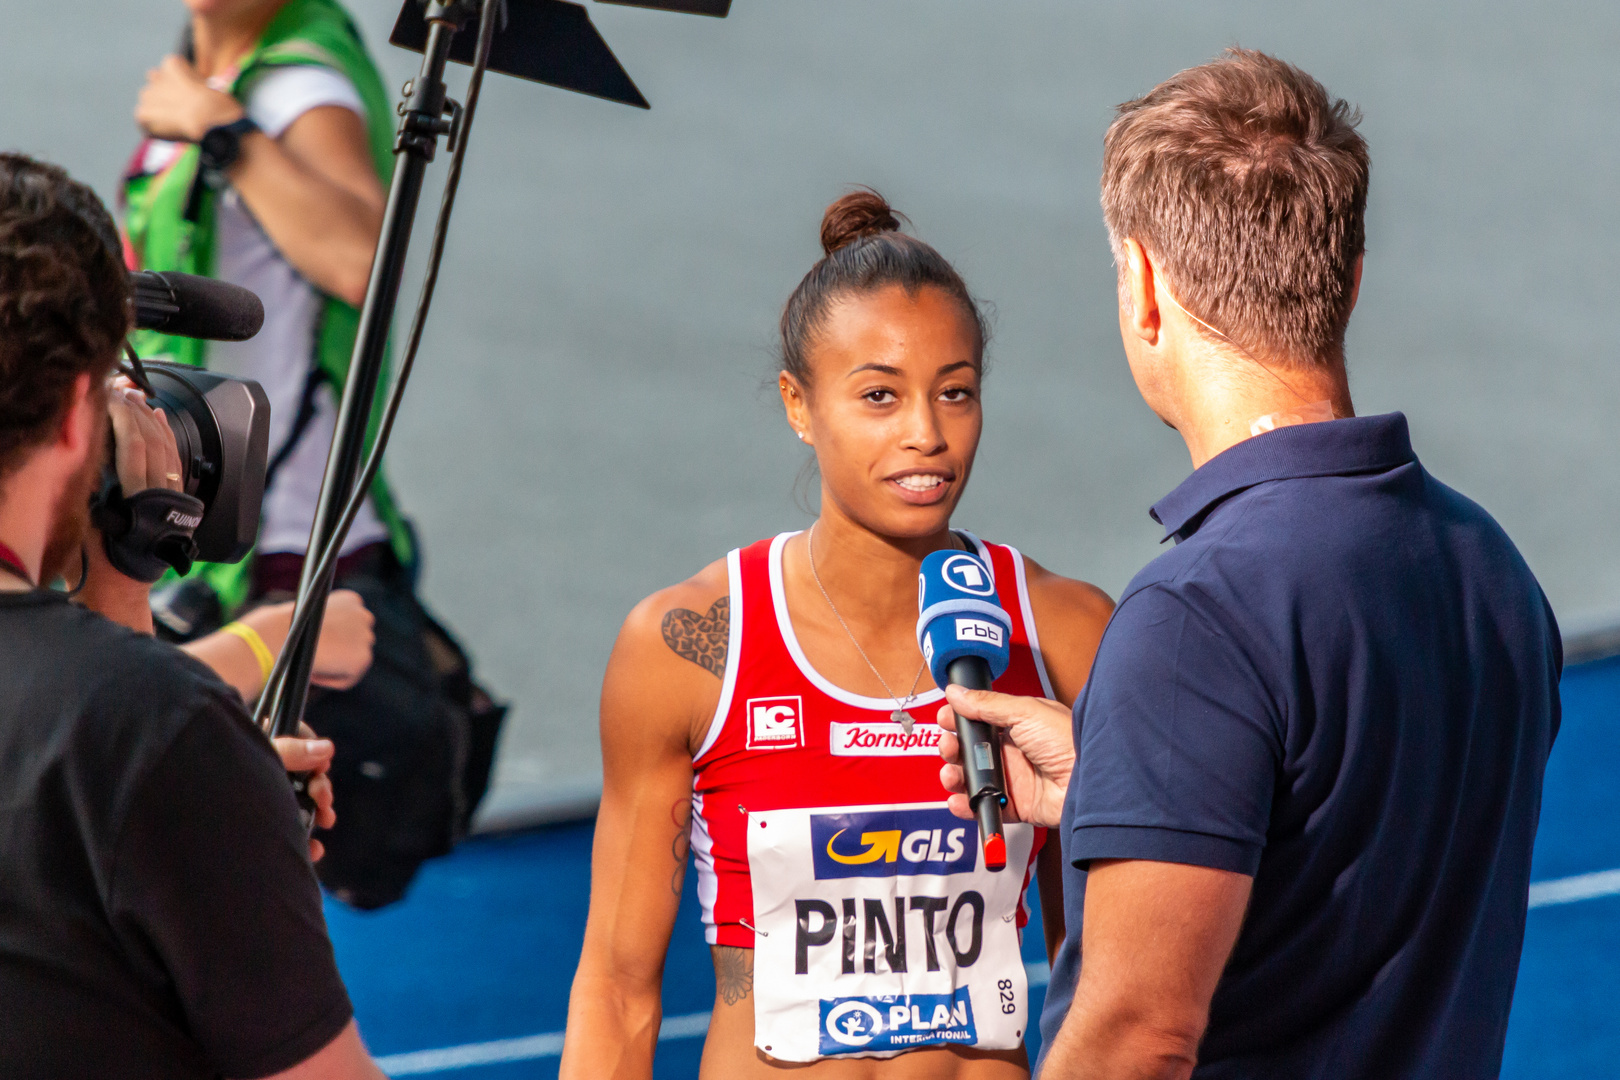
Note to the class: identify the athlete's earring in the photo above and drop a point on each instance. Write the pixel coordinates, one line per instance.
(800, 434)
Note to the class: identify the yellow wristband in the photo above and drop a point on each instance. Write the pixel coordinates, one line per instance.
(261, 651)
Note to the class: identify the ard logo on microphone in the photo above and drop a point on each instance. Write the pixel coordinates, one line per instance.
(967, 573)
(775, 723)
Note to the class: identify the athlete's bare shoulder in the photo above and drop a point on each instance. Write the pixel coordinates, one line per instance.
(1069, 616)
(670, 657)
(691, 620)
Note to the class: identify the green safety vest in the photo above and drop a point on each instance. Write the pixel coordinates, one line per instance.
(304, 32)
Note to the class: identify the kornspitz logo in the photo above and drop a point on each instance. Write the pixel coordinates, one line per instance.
(896, 1022)
(888, 843)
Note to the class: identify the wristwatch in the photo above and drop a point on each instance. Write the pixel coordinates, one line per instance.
(221, 146)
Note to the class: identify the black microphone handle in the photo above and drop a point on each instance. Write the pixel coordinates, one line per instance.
(981, 751)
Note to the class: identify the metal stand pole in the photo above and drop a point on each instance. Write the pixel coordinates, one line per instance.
(424, 121)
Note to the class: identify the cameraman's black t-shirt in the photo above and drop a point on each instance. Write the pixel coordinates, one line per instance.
(158, 913)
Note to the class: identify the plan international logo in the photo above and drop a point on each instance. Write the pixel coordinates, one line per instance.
(889, 843)
(896, 1022)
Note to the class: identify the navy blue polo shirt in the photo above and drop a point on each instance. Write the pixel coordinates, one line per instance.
(1343, 681)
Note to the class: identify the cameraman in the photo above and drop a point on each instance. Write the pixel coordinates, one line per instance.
(158, 914)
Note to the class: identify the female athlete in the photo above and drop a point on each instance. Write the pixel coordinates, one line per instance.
(775, 714)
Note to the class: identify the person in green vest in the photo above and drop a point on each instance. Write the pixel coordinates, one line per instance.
(268, 151)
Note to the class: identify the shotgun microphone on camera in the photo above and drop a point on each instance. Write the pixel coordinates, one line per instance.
(963, 633)
(196, 307)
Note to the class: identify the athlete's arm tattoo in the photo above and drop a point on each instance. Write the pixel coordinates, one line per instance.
(681, 814)
(701, 639)
(733, 973)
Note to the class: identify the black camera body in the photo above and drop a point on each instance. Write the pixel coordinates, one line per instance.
(221, 426)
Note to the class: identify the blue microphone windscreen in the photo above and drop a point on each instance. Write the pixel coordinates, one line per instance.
(959, 614)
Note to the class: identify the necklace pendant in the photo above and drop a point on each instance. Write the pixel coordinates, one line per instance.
(903, 718)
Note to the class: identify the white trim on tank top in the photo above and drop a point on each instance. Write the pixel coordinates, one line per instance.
(728, 684)
(1029, 623)
(784, 625)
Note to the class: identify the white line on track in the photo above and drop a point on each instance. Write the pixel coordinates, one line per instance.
(693, 1025)
(1580, 887)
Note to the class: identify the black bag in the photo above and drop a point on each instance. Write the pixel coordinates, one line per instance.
(415, 741)
(415, 738)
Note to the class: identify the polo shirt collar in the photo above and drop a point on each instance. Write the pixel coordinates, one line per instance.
(1360, 444)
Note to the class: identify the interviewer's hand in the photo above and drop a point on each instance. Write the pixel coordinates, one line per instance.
(1037, 753)
(306, 753)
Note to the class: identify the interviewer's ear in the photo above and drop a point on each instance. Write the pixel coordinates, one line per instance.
(1355, 284)
(797, 404)
(1140, 289)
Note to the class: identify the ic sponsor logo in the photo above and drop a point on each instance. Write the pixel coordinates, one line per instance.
(775, 723)
(882, 740)
(896, 1022)
(980, 630)
(185, 521)
(889, 843)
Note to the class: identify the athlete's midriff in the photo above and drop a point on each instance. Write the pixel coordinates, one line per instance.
(730, 1054)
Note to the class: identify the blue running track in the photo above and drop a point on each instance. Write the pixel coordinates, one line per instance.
(468, 977)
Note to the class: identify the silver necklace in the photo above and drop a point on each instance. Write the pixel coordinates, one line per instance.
(900, 715)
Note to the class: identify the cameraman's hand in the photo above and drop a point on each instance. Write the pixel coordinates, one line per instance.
(178, 104)
(145, 456)
(307, 753)
(1037, 753)
(145, 453)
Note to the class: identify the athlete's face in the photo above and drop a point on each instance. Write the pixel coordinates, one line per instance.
(892, 409)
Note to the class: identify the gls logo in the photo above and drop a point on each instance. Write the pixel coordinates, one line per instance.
(967, 574)
(889, 843)
(773, 723)
(896, 1022)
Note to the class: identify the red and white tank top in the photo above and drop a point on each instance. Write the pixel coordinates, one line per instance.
(884, 894)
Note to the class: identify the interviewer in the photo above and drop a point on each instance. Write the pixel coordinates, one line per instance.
(158, 912)
(1310, 755)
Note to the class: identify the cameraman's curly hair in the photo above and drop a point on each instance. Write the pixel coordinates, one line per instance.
(64, 299)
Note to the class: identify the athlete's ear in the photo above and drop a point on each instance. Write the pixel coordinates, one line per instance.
(797, 404)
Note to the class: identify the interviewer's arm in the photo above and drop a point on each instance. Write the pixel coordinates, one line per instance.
(1155, 939)
(653, 705)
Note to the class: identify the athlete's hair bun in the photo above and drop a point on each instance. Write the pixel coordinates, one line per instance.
(861, 213)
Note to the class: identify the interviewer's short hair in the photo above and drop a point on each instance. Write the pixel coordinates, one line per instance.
(64, 298)
(1247, 183)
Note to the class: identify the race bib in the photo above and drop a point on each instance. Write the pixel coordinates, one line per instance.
(878, 930)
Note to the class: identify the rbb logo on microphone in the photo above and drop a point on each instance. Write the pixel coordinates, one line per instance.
(967, 573)
(896, 1022)
(980, 630)
(890, 843)
(774, 723)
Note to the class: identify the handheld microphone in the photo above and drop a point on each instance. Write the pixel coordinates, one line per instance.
(963, 633)
(197, 307)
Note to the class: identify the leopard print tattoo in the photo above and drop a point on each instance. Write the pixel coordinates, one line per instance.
(701, 639)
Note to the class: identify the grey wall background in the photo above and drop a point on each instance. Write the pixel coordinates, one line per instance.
(588, 421)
